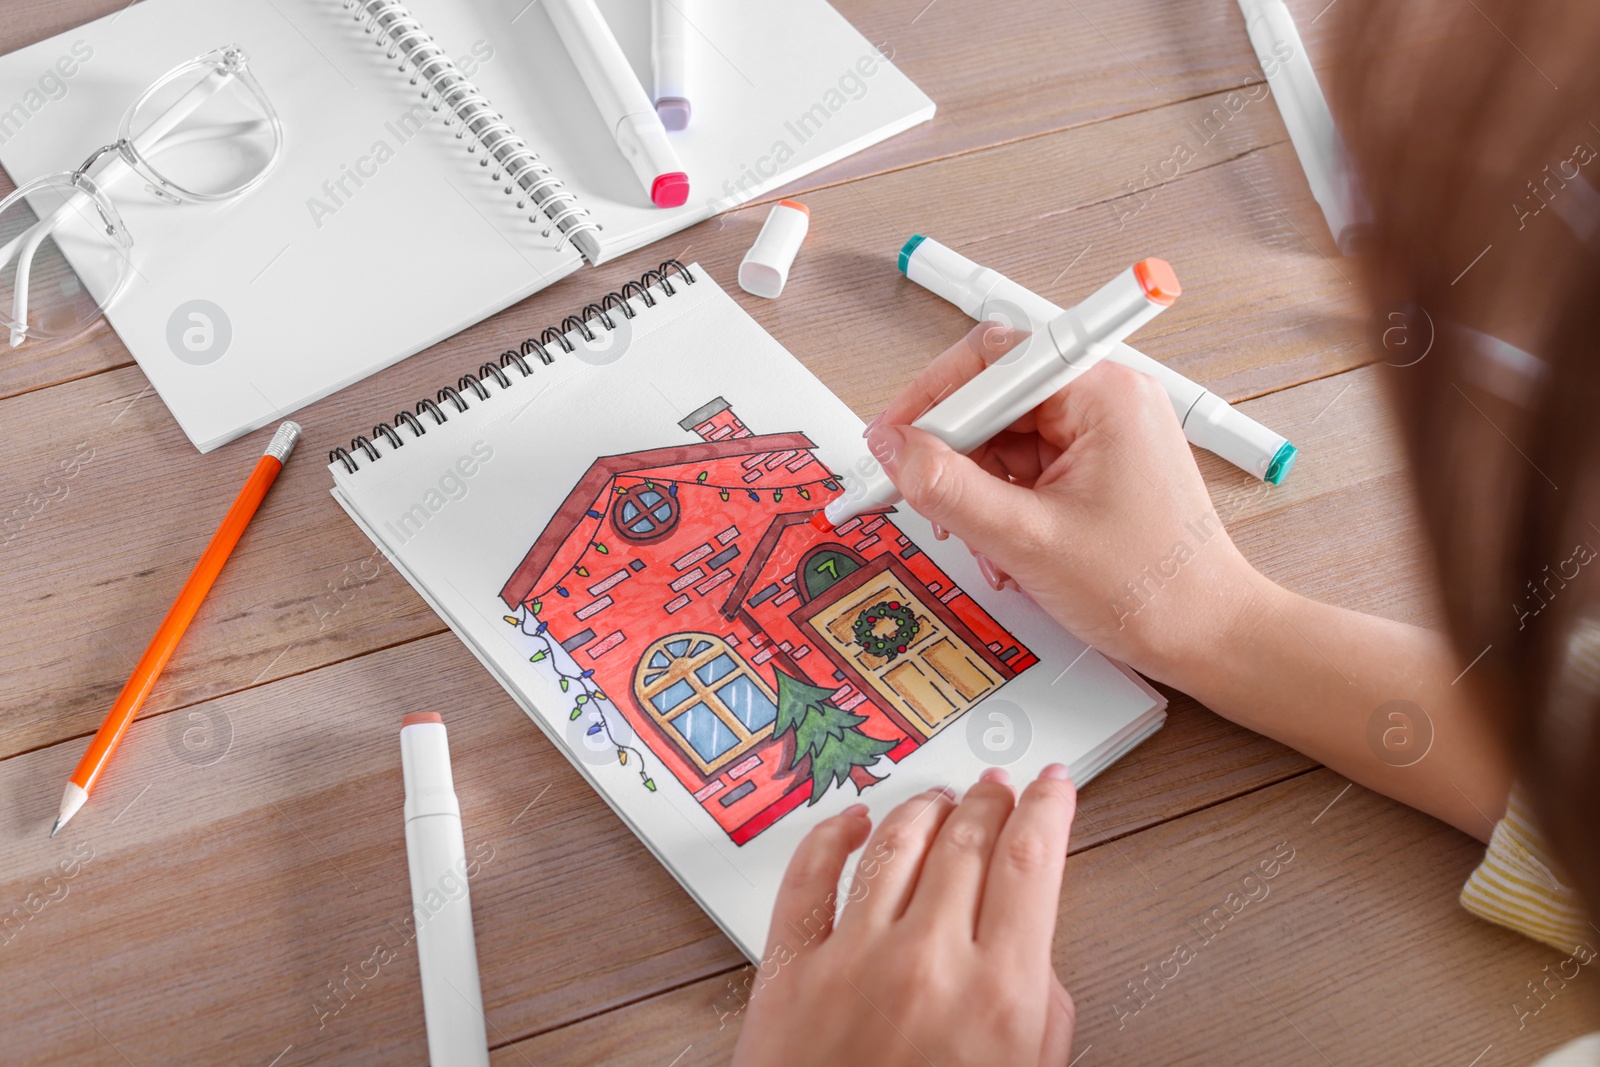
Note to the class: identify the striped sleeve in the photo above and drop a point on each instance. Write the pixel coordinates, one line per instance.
(1519, 884)
(1584, 1052)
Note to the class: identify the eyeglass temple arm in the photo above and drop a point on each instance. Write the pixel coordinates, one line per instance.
(31, 238)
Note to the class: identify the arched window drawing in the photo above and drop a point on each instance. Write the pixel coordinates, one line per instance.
(645, 513)
(706, 698)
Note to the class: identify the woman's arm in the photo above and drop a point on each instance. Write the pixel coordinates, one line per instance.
(1093, 505)
(1375, 700)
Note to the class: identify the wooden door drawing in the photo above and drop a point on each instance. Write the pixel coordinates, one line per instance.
(905, 646)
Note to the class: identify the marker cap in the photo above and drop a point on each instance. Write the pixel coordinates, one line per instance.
(1158, 280)
(425, 766)
(644, 144)
(670, 190)
(674, 112)
(765, 269)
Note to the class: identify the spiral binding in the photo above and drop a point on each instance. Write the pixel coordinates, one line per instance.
(468, 387)
(526, 175)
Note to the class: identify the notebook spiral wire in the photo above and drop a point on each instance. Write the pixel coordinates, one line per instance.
(601, 315)
(526, 176)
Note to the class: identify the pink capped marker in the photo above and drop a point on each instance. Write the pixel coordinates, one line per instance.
(624, 106)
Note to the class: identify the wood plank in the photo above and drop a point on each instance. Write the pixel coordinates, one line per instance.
(1346, 512)
(262, 877)
(1012, 70)
(689, 1020)
(251, 849)
(99, 556)
(1355, 952)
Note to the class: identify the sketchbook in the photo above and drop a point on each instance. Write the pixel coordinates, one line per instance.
(441, 160)
(614, 518)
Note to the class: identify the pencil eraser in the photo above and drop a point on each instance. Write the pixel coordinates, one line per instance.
(765, 269)
(420, 717)
(673, 111)
(670, 190)
(820, 521)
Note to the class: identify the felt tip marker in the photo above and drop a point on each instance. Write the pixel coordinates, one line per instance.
(1306, 116)
(670, 22)
(1209, 422)
(1006, 390)
(624, 106)
(441, 901)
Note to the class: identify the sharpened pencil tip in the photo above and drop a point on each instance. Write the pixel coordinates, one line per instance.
(56, 828)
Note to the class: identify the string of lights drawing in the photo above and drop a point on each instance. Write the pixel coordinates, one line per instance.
(589, 699)
(623, 486)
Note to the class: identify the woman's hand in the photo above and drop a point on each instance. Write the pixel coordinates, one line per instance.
(1091, 503)
(942, 951)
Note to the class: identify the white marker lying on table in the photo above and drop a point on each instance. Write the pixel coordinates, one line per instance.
(1306, 116)
(1208, 421)
(441, 904)
(1023, 379)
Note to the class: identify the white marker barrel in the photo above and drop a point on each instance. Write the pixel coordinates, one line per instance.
(671, 23)
(441, 905)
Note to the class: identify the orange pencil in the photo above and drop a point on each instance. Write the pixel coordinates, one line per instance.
(165, 642)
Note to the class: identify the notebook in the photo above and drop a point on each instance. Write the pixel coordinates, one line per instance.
(378, 234)
(616, 522)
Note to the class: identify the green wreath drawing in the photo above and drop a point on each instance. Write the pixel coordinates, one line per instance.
(886, 646)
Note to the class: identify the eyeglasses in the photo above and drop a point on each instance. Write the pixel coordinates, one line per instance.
(203, 133)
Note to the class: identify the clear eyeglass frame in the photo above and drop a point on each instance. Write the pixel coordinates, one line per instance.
(65, 255)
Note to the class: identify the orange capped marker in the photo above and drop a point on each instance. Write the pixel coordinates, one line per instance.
(1005, 391)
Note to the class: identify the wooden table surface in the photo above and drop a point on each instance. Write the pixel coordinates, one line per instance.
(244, 853)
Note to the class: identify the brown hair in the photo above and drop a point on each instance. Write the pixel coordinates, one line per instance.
(1472, 127)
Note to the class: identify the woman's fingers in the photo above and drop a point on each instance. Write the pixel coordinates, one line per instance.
(950, 489)
(805, 905)
(1061, 1015)
(1023, 456)
(889, 866)
(951, 886)
(953, 368)
(1023, 890)
(1108, 398)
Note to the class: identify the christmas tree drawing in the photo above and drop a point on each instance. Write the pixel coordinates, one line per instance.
(828, 735)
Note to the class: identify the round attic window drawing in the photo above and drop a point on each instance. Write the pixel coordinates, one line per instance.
(645, 513)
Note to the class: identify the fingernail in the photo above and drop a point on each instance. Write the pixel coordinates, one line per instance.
(940, 533)
(870, 425)
(1056, 772)
(997, 775)
(855, 810)
(945, 791)
(885, 443)
(996, 577)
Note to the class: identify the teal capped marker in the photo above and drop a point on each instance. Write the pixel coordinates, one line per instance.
(1209, 421)
(908, 248)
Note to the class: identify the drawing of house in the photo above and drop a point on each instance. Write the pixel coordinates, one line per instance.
(687, 577)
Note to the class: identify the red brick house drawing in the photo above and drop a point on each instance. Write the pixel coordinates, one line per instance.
(685, 578)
